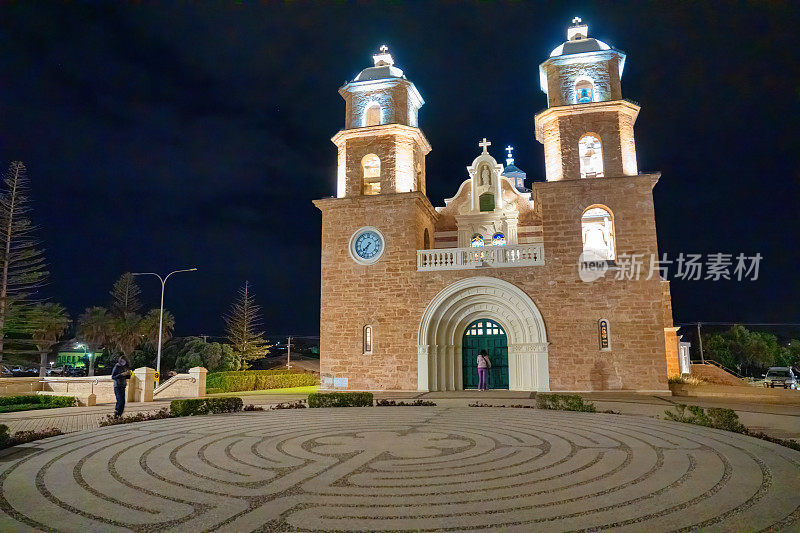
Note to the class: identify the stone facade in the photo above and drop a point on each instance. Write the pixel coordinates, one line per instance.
(551, 316)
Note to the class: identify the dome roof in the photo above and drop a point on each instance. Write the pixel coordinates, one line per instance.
(384, 67)
(579, 46)
(578, 41)
(379, 73)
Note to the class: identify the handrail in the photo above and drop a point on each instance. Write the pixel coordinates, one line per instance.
(174, 379)
(725, 368)
(93, 381)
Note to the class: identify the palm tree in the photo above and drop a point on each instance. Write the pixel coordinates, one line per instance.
(95, 329)
(127, 334)
(48, 321)
(150, 327)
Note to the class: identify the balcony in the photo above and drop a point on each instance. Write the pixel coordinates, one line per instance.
(481, 257)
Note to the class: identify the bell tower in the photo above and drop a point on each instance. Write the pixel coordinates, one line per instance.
(587, 130)
(381, 148)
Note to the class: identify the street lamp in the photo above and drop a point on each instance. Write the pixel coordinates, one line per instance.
(161, 315)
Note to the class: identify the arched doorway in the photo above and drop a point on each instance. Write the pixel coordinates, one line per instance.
(444, 321)
(485, 334)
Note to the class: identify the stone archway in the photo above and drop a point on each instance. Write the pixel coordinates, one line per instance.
(459, 304)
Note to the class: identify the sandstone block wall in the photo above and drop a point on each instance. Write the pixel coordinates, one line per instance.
(391, 295)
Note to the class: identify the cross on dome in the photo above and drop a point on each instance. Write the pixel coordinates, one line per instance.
(510, 158)
(383, 58)
(484, 144)
(578, 30)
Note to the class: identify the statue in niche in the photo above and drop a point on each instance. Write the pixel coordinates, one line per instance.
(486, 177)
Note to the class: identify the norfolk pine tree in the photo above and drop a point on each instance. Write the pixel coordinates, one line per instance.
(241, 325)
(22, 267)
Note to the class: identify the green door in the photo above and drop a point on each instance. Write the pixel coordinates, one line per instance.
(490, 336)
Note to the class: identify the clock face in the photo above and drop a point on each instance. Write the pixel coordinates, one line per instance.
(366, 245)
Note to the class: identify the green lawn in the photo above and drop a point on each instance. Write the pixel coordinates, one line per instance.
(290, 390)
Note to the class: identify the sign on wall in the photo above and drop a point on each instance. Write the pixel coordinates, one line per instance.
(605, 343)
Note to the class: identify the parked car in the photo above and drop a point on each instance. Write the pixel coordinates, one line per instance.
(5, 371)
(781, 376)
(55, 371)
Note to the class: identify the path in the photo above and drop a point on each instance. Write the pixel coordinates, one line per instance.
(401, 468)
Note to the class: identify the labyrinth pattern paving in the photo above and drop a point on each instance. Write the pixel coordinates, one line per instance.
(401, 468)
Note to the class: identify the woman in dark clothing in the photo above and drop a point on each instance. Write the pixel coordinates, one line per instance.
(120, 374)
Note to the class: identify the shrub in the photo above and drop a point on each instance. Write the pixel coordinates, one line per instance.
(252, 407)
(415, 403)
(21, 437)
(143, 416)
(41, 399)
(688, 380)
(290, 405)
(563, 402)
(340, 399)
(28, 402)
(257, 380)
(204, 406)
(714, 417)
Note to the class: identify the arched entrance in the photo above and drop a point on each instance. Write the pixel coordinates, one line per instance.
(486, 335)
(445, 320)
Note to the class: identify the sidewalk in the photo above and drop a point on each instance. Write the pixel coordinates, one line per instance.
(781, 421)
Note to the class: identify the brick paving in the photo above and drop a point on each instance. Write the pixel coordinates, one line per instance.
(401, 468)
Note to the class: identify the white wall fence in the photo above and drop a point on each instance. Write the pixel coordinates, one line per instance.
(480, 257)
(100, 389)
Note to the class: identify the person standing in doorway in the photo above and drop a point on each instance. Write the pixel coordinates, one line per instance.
(483, 370)
(120, 374)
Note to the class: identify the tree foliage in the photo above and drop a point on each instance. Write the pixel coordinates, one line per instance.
(125, 296)
(242, 323)
(22, 266)
(749, 352)
(183, 353)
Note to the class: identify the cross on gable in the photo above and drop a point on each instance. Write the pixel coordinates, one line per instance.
(384, 49)
(576, 20)
(484, 144)
(509, 149)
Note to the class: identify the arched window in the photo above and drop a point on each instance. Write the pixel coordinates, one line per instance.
(367, 339)
(484, 327)
(597, 229)
(498, 239)
(371, 165)
(426, 240)
(584, 92)
(590, 152)
(372, 116)
(476, 241)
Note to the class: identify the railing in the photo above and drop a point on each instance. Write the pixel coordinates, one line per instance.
(480, 257)
(725, 368)
(93, 381)
(171, 381)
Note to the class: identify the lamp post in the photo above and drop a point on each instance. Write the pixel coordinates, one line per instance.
(161, 315)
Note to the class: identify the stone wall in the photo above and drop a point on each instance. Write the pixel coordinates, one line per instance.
(391, 295)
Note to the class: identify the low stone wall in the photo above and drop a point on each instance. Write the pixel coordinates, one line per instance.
(18, 386)
(742, 393)
(101, 386)
(189, 385)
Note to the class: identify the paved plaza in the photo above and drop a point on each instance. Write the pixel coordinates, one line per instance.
(401, 468)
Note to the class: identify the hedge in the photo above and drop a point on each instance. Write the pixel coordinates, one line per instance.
(247, 380)
(340, 399)
(563, 402)
(37, 401)
(204, 406)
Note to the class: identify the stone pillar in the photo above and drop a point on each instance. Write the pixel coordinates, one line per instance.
(199, 384)
(422, 368)
(142, 383)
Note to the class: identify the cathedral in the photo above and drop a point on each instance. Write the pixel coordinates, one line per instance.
(412, 293)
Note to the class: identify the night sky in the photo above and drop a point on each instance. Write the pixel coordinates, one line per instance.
(159, 138)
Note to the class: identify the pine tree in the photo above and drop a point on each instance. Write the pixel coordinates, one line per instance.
(22, 266)
(125, 294)
(241, 328)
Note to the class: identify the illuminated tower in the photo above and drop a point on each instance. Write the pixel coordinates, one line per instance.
(587, 130)
(381, 149)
